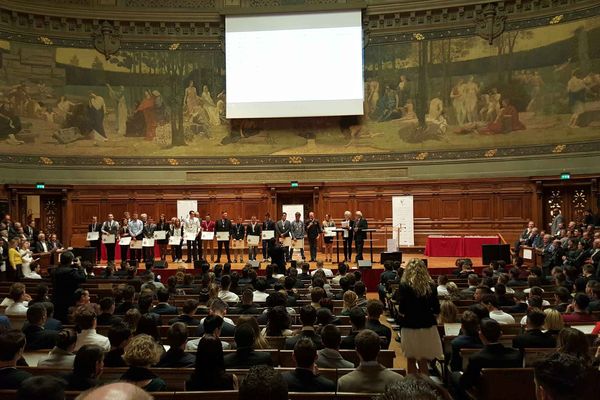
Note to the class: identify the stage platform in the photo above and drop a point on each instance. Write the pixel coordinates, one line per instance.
(436, 265)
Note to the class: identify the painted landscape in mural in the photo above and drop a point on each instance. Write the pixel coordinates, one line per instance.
(530, 87)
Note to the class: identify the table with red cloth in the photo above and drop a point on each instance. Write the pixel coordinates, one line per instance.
(457, 246)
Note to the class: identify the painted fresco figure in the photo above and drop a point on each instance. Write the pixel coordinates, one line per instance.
(210, 107)
(458, 101)
(471, 93)
(190, 99)
(506, 121)
(576, 88)
(118, 96)
(147, 108)
(96, 111)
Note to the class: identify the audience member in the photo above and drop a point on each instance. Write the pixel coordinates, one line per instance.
(107, 311)
(448, 313)
(65, 281)
(262, 382)
(559, 377)
(87, 367)
(12, 345)
(491, 303)
(112, 391)
(62, 355)
(303, 378)
(42, 387)
(141, 353)
(278, 322)
(533, 337)
(358, 321)
(370, 376)
(163, 307)
(577, 311)
(553, 322)
(329, 356)
(308, 317)
(374, 311)
(37, 336)
(414, 387)
(219, 308)
(18, 297)
(468, 339)
(209, 373)
(574, 342)
(85, 319)
(118, 336)
(176, 357)
(245, 356)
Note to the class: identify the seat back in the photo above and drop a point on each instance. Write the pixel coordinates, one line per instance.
(507, 383)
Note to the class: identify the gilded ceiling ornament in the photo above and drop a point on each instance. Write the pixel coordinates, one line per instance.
(173, 161)
(46, 161)
(491, 153)
(106, 40)
(108, 161)
(421, 156)
(555, 20)
(559, 148)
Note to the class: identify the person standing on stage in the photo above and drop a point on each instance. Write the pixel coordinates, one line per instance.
(162, 225)
(223, 225)
(149, 228)
(238, 232)
(328, 240)
(110, 227)
(360, 224)
(96, 227)
(253, 229)
(124, 232)
(313, 230)
(297, 232)
(191, 225)
(268, 225)
(348, 235)
(176, 230)
(208, 226)
(282, 230)
(136, 230)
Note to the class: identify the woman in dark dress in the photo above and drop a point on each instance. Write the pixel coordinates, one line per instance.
(328, 240)
(87, 367)
(141, 353)
(124, 232)
(163, 225)
(210, 372)
(418, 305)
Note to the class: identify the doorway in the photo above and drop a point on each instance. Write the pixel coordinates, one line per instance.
(304, 198)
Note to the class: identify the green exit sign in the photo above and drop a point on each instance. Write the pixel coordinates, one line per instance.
(40, 186)
(294, 184)
(565, 175)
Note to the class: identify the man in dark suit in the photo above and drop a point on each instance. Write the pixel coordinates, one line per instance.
(557, 221)
(313, 230)
(348, 235)
(268, 225)
(468, 339)
(245, 356)
(282, 230)
(360, 224)
(374, 311)
(176, 357)
(110, 227)
(223, 225)
(41, 245)
(303, 378)
(65, 280)
(358, 320)
(163, 307)
(253, 229)
(308, 317)
(493, 355)
(218, 307)
(94, 226)
(38, 338)
(107, 311)
(12, 345)
(533, 336)
(188, 311)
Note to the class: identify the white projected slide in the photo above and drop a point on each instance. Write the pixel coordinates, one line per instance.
(294, 65)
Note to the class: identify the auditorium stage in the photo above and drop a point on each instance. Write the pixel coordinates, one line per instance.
(436, 265)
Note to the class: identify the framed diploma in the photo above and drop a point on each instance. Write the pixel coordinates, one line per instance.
(135, 244)
(253, 240)
(267, 235)
(125, 241)
(189, 236)
(108, 239)
(208, 235)
(330, 231)
(160, 235)
(147, 242)
(237, 244)
(298, 243)
(287, 242)
(222, 236)
(175, 240)
(92, 236)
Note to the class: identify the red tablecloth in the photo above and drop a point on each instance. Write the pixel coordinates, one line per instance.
(444, 246)
(472, 244)
(457, 246)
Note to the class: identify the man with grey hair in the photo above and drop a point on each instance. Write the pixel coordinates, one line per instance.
(116, 391)
(360, 224)
(348, 234)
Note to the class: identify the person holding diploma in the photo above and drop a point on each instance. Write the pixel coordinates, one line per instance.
(136, 231)
(208, 226)
(253, 229)
(348, 234)
(110, 227)
(191, 227)
(223, 225)
(313, 230)
(328, 240)
(176, 231)
(124, 232)
(282, 230)
(297, 233)
(268, 225)
(162, 226)
(149, 228)
(96, 227)
(238, 232)
(360, 224)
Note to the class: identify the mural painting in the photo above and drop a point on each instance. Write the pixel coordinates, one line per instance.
(530, 87)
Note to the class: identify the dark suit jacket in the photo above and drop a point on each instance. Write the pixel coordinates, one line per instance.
(380, 330)
(347, 342)
(176, 358)
(39, 338)
(11, 378)
(222, 226)
(186, 319)
(256, 231)
(283, 228)
(108, 319)
(97, 229)
(462, 342)
(534, 338)
(65, 280)
(314, 230)
(39, 248)
(350, 230)
(359, 233)
(246, 357)
(303, 380)
(53, 324)
(164, 309)
(227, 330)
(237, 231)
(291, 341)
(491, 356)
(114, 359)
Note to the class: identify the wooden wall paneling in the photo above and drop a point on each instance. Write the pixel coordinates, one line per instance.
(481, 208)
(450, 208)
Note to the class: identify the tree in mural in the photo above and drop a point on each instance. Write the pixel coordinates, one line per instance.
(74, 61)
(446, 51)
(505, 46)
(97, 64)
